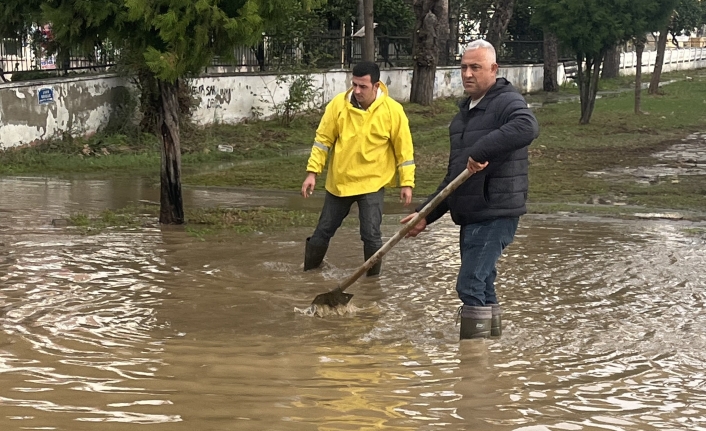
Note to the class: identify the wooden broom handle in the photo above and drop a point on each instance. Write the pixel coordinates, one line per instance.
(443, 194)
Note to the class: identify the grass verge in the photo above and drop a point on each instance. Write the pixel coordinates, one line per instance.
(268, 155)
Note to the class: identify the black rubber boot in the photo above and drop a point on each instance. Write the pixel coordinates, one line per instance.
(313, 255)
(375, 269)
(475, 321)
(496, 328)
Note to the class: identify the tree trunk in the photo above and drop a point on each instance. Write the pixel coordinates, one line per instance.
(442, 31)
(498, 23)
(551, 61)
(659, 61)
(425, 52)
(583, 82)
(484, 16)
(360, 18)
(369, 40)
(611, 64)
(588, 83)
(171, 204)
(452, 45)
(349, 43)
(423, 84)
(639, 49)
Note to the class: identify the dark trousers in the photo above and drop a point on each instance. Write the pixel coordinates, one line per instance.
(481, 246)
(337, 208)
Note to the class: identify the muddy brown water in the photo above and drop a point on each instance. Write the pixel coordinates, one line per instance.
(154, 329)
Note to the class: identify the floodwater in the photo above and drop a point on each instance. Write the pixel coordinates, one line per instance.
(153, 329)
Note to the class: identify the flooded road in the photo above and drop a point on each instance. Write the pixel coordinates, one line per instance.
(153, 329)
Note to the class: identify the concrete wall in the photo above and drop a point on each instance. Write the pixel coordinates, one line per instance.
(35, 111)
(31, 112)
(230, 99)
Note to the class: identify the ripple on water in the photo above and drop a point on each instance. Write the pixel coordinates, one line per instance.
(602, 330)
(85, 307)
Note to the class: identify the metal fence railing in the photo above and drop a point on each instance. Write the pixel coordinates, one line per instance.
(342, 52)
(273, 54)
(18, 57)
(322, 52)
(521, 51)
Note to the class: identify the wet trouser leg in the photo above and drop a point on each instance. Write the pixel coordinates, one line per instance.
(481, 246)
(333, 213)
(335, 209)
(370, 207)
(490, 296)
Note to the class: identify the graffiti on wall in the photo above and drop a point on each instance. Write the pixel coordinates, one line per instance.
(211, 96)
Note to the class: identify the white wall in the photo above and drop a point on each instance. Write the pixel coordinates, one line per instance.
(79, 106)
(220, 104)
(674, 59)
(83, 105)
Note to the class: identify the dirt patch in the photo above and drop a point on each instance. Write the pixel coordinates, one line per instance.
(273, 135)
(686, 157)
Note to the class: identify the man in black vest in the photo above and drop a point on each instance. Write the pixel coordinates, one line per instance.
(489, 137)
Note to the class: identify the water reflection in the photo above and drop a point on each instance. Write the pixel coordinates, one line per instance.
(604, 328)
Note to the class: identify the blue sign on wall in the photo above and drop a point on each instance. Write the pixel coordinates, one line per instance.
(45, 95)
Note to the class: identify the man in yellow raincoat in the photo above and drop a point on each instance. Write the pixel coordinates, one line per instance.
(365, 136)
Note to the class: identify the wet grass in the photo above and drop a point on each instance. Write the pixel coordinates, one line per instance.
(696, 232)
(286, 172)
(268, 155)
(126, 218)
(248, 220)
(618, 138)
(140, 153)
(560, 158)
(200, 222)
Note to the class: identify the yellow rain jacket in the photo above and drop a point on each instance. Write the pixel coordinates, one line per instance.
(366, 148)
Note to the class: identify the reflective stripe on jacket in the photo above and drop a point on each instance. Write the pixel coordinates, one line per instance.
(366, 148)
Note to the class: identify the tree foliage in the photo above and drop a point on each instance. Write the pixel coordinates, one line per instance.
(163, 42)
(18, 16)
(689, 15)
(394, 17)
(475, 17)
(521, 25)
(479, 14)
(591, 27)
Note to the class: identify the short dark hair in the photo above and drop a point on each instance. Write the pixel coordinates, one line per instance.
(367, 68)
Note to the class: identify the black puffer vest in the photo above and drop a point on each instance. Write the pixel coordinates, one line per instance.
(497, 130)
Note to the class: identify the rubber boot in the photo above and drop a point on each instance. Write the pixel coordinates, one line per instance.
(496, 323)
(313, 255)
(375, 269)
(475, 321)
